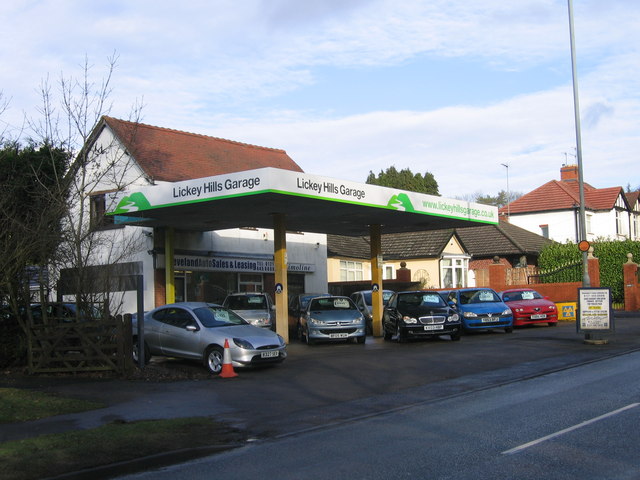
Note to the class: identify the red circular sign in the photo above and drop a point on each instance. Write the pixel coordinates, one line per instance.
(583, 246)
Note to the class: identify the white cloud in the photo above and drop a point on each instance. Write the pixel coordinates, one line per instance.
(213, 67)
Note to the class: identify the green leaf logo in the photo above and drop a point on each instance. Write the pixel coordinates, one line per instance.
(401, 202)
(132, 203)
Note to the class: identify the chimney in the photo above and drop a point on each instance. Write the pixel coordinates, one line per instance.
(569, 173)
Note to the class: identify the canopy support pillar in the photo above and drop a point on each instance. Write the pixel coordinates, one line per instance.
(170, 276)
(376, 279)
(280, 261)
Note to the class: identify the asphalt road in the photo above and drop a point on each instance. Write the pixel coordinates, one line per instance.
(577, 423)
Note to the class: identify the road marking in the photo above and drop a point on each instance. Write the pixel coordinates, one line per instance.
(567, 430)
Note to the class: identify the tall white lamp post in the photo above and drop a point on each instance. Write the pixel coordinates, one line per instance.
(506, 165)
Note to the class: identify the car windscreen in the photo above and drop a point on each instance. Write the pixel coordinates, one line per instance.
(218, 317)
(304, 301)
(478, 296)
(523, 295)
(385, 297)
(331, 303)
(432, 299)
(246, 302)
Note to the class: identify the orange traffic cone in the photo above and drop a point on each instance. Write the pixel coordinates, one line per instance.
(227, 368)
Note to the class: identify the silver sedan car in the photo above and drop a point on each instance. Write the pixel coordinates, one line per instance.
(332, 318)
(198, 330)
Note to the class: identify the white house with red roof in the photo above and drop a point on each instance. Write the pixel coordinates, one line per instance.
(210, 264)
(552, 210)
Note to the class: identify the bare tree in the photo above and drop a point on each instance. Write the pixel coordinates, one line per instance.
(70, 124)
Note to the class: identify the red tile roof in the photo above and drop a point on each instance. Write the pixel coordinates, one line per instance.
(632, 198)
(172, 155)
(562, 195)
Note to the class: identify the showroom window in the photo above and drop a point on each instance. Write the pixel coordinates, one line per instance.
(350, 271)
(250, 282)
(453, 271)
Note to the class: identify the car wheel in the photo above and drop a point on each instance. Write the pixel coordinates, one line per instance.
(553, 324)
(402, 337)
(455, 337)
(213, 359)
(508, 330)
(136, 357)
(386, 334)
(307, 339)
(299, 332)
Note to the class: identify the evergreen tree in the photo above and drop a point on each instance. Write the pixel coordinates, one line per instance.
(405, 179)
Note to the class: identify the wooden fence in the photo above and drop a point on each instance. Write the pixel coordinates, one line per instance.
(61, 345)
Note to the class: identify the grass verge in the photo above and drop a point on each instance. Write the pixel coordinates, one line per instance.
(18, 405)
(57, 454)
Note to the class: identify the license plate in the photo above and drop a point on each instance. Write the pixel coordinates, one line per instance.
(434, 327)
(490, 320)
(538, 316)
(269, 354)
(338, 335)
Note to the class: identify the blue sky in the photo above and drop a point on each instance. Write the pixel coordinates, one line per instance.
(452, 87)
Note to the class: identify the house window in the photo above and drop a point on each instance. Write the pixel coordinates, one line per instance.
(388, 272)
(97, 210)
(587, 221)
(544, 231)
(454, 272)
(619, 228)
(350, 271)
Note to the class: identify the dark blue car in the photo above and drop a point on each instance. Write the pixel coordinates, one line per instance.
(480, 308)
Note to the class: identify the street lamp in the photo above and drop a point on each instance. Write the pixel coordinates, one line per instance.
(586, 281)
(506, 165)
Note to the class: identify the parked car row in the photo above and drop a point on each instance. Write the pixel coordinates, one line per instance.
(197, 330)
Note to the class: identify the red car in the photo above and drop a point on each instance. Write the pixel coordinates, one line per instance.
(528, 307)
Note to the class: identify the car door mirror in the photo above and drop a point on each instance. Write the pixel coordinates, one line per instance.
(192, 328)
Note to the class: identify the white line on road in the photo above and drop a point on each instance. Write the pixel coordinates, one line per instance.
(567, 430)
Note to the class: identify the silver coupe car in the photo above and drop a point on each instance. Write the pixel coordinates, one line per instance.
(198, 330)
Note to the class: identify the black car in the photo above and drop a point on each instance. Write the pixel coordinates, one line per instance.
(419, 314)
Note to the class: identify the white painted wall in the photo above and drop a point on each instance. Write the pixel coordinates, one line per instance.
(305, 248)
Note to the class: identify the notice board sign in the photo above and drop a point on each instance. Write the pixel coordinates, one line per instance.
(595, 312)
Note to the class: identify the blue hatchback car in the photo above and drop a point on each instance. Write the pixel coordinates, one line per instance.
(480, 308)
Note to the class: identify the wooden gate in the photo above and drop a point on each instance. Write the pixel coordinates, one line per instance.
(81, 346)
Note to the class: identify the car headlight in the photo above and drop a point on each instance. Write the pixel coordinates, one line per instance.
(519, 310)
(281, 340)
(315, 321)
(453, 318)
(469, 315)
(358, 320)
(507, 312)
(409, 320)
(242, 343)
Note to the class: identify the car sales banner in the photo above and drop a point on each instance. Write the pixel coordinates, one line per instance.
(287, 182)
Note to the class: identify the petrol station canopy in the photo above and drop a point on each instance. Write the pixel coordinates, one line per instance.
(309, 203)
